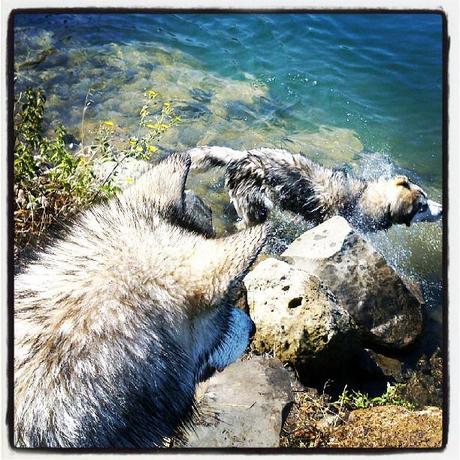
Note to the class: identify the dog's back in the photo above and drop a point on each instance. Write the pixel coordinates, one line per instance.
(260, 179)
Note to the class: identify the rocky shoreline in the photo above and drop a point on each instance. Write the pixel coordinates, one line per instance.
(257, 403)
(332, 302)
(331, 311)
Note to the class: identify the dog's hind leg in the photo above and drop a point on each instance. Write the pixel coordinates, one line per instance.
(215, 266)
(245, 180)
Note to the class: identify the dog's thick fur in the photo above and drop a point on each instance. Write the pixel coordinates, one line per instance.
(259, 179)
(117, 321)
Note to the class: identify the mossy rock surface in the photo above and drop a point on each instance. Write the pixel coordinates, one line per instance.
(390, 427)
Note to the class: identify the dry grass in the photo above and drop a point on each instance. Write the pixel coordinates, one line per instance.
(316, 422)
(307, 424)
(389, 427)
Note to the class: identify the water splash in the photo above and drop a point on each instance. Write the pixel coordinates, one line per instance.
(416, 251)
(374, 165)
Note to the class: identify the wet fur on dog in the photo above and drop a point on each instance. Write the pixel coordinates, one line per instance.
(259, 179)
(119, 318)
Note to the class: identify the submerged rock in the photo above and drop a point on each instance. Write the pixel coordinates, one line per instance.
(386, 308)
(201, 213)
(329, 146)
(243, 406)
(122, 173)
(298, 319)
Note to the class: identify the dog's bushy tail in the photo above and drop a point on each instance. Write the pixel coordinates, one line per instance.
(211, 157)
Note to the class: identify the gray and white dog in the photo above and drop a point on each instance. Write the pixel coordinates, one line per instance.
(117, 320)
(260, 179)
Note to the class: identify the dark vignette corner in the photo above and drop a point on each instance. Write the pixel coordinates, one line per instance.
(10, 227)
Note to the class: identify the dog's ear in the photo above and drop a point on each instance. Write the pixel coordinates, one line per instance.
(402, 181)
(219, 264)
(169, 180)
(164, 184)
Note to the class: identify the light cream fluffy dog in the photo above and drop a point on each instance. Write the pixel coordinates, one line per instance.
(118, 319)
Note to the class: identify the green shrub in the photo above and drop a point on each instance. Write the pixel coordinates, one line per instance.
(51, 182)
(358, 400)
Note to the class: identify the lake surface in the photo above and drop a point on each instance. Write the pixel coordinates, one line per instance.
(361, 90)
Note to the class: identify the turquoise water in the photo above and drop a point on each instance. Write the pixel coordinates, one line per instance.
(377, 75)
(354, 89)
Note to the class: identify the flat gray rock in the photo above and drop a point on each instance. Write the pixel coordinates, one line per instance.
(200, 213)
(243, 406)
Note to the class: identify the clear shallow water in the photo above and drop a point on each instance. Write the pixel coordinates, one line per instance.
(361, 90)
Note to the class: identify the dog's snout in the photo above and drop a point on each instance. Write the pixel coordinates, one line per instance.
(253, 330)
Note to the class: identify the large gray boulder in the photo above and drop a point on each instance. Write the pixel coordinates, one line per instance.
(243, 406)
(298, 319)
(387, 309)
